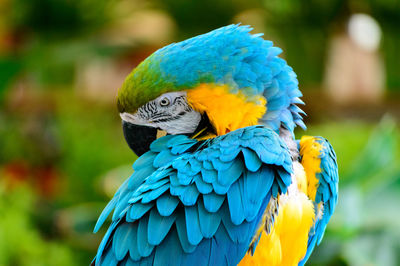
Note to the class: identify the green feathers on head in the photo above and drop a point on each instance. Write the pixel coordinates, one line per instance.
(143, 84)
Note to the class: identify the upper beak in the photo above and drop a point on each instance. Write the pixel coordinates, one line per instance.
(138, 137)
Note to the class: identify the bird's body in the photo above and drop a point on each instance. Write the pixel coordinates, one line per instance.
(229, 184)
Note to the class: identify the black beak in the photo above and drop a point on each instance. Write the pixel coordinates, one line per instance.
(138, 137)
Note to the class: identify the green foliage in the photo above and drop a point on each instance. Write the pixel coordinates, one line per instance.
(199, 16)
(20, 241)
(9, 68)
(52, 18)
(92, 142)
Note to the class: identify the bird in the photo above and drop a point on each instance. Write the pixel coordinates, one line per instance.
(220, 178)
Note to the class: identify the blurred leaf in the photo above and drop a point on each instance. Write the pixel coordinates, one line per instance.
(20, 242)
(9, 69)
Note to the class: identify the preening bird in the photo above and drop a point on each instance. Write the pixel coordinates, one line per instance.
(221, 179)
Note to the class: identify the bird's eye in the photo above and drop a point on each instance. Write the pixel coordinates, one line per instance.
(164, 102)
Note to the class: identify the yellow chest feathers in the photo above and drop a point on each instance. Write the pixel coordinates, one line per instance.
(286, 242)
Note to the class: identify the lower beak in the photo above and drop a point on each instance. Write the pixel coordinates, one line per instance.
(138, 137)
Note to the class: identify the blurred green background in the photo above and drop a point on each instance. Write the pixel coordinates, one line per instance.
(62, 152)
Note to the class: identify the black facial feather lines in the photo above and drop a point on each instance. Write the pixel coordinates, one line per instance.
(148, 110)
(181, 101)
(151, 110)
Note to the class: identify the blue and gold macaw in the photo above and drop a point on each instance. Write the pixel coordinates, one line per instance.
(220, 179)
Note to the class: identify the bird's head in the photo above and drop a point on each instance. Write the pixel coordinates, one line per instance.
(207, 86)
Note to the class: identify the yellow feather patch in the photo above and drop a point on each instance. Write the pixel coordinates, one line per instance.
(226, 111)
(310, 150)
(286, 244)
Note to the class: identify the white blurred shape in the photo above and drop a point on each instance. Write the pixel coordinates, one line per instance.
(364, 31)
(355, 70)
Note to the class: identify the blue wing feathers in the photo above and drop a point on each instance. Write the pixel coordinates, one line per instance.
(209, 175)
(170, 249)
(251, 160)
(189, 195)
(237, 210)
(193, 225)
(106, 212)
(159, 226)
(122, 236)
(256, 186)
(137, 210)
(327, 194)
(144, 247)
(197, 200)
(133, 245)
(202, 186)
(213, 201)
(183, 235)
(209, 221)
(228, 176)
(166, 204)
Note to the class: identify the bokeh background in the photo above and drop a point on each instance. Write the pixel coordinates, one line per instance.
(62, 152)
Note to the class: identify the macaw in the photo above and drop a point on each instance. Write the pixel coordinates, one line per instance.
(221, 179)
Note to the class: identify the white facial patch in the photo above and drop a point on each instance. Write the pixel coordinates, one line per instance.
(170, 112)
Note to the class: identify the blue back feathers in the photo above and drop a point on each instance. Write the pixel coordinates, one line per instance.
(195, 202)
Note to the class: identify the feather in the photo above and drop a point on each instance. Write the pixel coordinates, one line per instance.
(144, 160)
(183, 235)
(180, 149)
(160, 144)
(193, 225)
(139, 176)
(166, 204)
(251, 160)
(237, 233)
(196, 166)
(122, 236)
(130, 262)
(158, 227)
(179, 140)
(229, 155)
(157, 176)
(209, 176)
(203, 187)
(220, 165)
(184, 178)
(103, 216)
(201, 256)
(163, 158)
(256, 187)
(227, 176)
(212, 202)
(154, 194)
(109, 259)
(235, 203)
(144, 247)
(104, 243)
(170, 253)
(209, 222)
(132, 244)
(207, 165)
(189, 195)
(148, 186)
(121, 205)
(137, 210)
